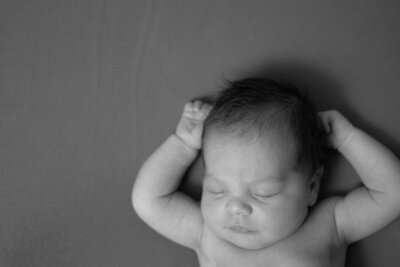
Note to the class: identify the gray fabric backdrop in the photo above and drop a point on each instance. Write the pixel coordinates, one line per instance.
(89, 88)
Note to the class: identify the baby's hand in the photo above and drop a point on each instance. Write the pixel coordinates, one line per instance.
(337, 128)
(190, 126)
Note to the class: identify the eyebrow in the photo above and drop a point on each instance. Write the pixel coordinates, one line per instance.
(208, 176)
(272, 179)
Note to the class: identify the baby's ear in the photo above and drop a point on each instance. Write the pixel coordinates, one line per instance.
(314, 185)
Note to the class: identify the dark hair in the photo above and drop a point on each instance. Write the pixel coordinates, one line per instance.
(256, 105)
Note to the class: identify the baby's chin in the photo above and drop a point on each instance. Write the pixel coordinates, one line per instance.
(251, 243)
(255, 240)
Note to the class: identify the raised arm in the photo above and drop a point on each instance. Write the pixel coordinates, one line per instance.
(155, 197)
(374, 205)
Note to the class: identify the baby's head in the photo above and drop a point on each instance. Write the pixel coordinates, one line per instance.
(262, 151)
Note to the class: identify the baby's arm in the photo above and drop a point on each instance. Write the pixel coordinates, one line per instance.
(371, 207)
(155, 197)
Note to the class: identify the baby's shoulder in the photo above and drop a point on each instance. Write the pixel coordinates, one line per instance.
(321, 219)
(325, 207)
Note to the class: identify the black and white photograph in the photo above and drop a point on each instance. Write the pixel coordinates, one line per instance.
(177, 133)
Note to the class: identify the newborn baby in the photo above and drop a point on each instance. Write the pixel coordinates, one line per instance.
(262, 148)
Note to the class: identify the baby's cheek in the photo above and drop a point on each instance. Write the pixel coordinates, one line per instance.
(206, 205)
(291, 214)
(273, 214)
(264, 217)
(210, 208)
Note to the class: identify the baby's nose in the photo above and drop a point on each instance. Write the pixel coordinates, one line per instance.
(239, 207)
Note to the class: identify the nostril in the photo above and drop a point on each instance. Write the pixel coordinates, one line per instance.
(239, 207)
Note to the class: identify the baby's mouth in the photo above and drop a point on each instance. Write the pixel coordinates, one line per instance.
(240, 229)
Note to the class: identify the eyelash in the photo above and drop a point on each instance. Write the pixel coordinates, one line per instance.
(263, 196)
(216, 191)
(217, 194)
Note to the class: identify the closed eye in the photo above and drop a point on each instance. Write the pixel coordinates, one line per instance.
(217, 193)
(263, 196)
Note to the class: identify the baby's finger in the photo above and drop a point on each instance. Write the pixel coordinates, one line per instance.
(325, 121)
(197, 105)
(203, 112)
(188, 106)
(187, 109)
(207, 108)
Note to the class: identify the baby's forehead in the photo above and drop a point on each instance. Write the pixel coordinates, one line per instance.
(210, 178)
(214, 139)
(231, 155)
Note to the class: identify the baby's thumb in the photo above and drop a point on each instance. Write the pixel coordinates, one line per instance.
(324, 121)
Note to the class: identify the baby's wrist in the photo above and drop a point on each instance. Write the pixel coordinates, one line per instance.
(347, 139)
(185, 143)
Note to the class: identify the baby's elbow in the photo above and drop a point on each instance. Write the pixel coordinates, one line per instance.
(138, 207)
(392, 204)
(137, 195)
(134, 200)
(141, 204)
(137, 201)
(396, 202)
(394, 194)
(144, 207)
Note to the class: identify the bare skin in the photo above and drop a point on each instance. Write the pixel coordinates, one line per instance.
(254, 214)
